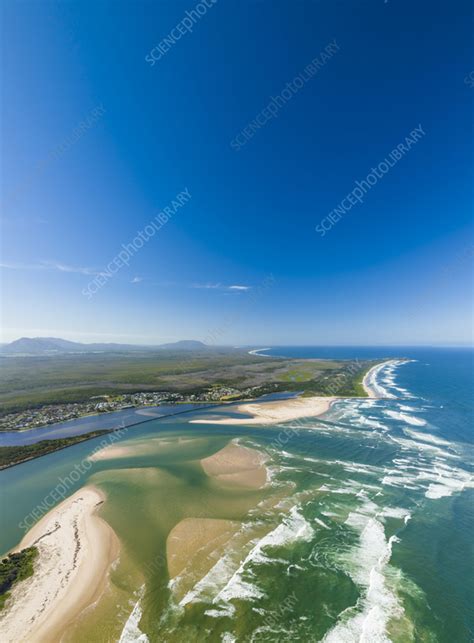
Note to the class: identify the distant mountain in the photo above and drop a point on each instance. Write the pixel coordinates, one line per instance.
(185, 345)
(41, 345)
(48, 345)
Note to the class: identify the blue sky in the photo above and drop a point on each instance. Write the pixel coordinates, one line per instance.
(395, 269)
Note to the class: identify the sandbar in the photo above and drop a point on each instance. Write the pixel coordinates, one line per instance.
(275, 412)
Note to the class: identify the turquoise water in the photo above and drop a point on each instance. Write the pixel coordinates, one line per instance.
(364, 532)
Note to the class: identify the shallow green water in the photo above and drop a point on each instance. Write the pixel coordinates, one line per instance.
(363, 533)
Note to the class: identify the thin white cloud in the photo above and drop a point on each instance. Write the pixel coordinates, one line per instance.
(219, 286)
(58, 266)
(50, 265)
(18, 266)
(207, 286)
(62, 267)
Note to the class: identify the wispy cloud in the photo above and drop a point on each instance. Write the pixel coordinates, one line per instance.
(59, 266)
(18, 266)
(50, 265)
(207, 286)
(223, 287)
(62, 267)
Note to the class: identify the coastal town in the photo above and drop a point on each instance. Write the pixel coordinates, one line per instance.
(52, 413)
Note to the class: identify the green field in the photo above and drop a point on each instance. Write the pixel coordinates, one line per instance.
(31, 382)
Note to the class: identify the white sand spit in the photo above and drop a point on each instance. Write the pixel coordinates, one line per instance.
(275, 412)
(76, 549)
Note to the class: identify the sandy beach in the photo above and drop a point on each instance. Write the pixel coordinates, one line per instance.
(370, 380)
(275, 412)
(76, 549)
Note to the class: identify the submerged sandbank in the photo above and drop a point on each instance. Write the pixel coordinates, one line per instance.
(237, 465)
(193, 540)
(196, 544)
(275, 412)
(76, 549)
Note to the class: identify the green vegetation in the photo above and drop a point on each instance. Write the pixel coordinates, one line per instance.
(28, 383)
(10, 456)
(14, 568)
(31, 382)
(357, 385)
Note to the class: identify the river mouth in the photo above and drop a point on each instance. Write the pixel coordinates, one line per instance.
(330, 542)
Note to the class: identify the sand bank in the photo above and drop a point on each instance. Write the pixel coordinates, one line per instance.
(237, 465)
(112, 452)
(76, 549)
(196, 545)
(275, 412)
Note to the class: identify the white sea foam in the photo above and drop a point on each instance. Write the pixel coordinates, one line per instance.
(131, 633)
(405, 393)
(367, 404)
(372, 422)
(367, 620)
(436, 477)
(430, 449)
(372, 380)
(444, 486)
(396, 512)
(399, 481)
(404, 417)
(209, 585)
(427, 437)
(293, 527)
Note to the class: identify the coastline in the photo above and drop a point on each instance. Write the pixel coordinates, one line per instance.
(263, 413)
(369, 381)
(75, 551)
(258, 351)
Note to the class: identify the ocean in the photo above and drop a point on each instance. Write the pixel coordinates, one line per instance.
(363, 532)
